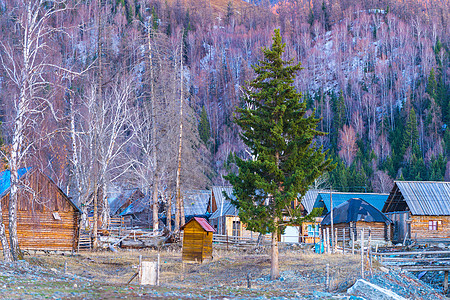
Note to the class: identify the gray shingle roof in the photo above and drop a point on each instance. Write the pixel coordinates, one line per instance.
(425, 197)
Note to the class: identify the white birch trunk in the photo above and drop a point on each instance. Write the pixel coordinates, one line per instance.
(179, 214)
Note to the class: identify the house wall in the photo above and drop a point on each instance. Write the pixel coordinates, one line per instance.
(420, 228)
(38, 227)
(400, 228)
(379, 230)
(224, 226)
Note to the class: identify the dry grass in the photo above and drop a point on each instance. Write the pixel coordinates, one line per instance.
(301, 272)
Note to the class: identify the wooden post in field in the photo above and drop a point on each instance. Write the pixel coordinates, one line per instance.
(335, 240)
(343, 241)
(353, 240)
(445, 282)
(328, 240)
(362, 253)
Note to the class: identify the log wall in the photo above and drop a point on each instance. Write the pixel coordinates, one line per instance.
(379, 230)
(420, 230)
(46, 220)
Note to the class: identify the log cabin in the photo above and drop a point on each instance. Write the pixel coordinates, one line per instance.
(197, 240)
(321, 200)
(354, 215)
(420, 211)
(46, 218)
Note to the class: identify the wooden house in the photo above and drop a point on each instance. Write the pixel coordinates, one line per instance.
(46, 218)
(225, 216)
(321, 200)
(118, 204)
(197, 240)
(139, 213)
(420, 211)
(356, 214)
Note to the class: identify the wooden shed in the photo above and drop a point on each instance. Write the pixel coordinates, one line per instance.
(46, 218)
(197, 240)
(420, 211)
(356, 214)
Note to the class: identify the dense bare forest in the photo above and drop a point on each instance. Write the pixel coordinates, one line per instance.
(115, 93)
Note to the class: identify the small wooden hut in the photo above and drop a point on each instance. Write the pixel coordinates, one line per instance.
(356, 214)
(46, 218)
(197, 240)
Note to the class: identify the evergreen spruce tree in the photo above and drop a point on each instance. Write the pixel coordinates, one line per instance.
(286, 161)
(204, 128)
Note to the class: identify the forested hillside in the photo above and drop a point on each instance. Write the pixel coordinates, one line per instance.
(100, 93)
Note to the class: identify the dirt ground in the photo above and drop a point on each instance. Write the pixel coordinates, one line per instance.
(104, 275)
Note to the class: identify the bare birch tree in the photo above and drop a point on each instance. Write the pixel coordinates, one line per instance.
(26, 68)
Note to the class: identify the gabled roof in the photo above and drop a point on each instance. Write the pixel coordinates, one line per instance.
(355, 210)
(195, 202)
(121, 200)
(431, 198)
(5, 183)
(137, 206)
(227, 210)
(323, 199)
(309, 200)
(202, 222)
(224, 206)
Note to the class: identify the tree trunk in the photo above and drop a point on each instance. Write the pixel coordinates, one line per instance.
(169, 213)
(155, 204)
(178, 213)
(3, 239)
(95, 218)
(274, 267)
(154, 150)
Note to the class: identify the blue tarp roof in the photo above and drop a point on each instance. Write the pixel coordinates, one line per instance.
(355, 210)
(376, 200)
(5, 178)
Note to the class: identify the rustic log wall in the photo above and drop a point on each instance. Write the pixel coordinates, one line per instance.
(420, 229)
(46, 218)
(379, 230)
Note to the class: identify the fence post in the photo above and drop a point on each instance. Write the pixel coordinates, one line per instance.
(353, 240)
(343, 241)
(335, 240)
(362, 253)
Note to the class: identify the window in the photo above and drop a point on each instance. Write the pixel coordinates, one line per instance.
(236, 228)
(432, 225)
(313, 230)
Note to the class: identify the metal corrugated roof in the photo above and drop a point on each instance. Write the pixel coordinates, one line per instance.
(137, 206)
(309, 199)
(374, 199)
(224, 206)
(426, 197)
(195, 202)
(121, 200)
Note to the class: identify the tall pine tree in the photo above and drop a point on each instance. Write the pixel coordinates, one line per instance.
(286, 161)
